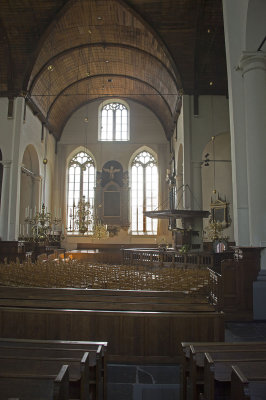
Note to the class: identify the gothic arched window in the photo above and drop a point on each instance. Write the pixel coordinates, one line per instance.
(144, 193)
(81, 184)
(114, 122)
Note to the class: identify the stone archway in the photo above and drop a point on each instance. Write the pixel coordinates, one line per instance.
(30, 187)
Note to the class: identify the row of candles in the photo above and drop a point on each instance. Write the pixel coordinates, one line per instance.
(31, 213)
(25, 230)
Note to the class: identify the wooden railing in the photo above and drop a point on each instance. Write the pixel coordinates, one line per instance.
(215, 287)
(153, 257)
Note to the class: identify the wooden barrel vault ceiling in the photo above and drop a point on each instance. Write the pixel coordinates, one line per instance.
(63, 54)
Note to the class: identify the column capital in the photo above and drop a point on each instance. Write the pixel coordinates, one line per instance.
(6, 163)
(252, 61)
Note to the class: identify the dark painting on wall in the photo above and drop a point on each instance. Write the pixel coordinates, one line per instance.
(112, 204)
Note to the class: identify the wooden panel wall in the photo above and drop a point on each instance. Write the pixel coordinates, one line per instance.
(129, 334)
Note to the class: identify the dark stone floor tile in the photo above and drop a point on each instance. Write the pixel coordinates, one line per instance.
(155, 393)
(117, 373)
(119, 391)
(163, 374)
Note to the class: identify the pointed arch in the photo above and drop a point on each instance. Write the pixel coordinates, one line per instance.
(144, 191)
(81, 180)
(30, 187)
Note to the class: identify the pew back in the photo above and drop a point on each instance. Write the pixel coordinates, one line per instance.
(244, 389)
(65, 351)
(217, 374)
(34, 386)
(130, 335)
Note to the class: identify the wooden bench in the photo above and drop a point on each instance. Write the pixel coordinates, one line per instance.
(30, 386)
(79, 370)
(193, 360)
(111, 300)
(243, 388)
(217, 375)
(131, 335)
(92, 368)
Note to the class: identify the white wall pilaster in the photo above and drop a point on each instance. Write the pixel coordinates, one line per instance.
(253, 67)
(14, 200)
(196, 185)
(234, 18)
(4, 211)
(187, 151)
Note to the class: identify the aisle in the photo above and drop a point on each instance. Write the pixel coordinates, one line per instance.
(142, 382)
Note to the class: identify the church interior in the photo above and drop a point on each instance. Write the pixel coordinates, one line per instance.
(133, 199)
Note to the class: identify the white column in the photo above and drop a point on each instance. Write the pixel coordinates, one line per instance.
(233, 13)
(197, 201)
(253, 67)
(36, 192)
(14, 200)
(179, 192)
(187, 110)
(197, 186)
(4, 211)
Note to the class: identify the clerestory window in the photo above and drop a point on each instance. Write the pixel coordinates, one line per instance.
(144, 193)
(114, 122)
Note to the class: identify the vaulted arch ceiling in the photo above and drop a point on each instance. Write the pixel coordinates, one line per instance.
(151, 45)
(98, 49)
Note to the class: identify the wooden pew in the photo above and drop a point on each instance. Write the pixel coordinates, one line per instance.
(93, 299)
(217, 375)
(34, 386)
(151, 336)
(243, 388)
(193, 360)
(64, 350)
(79, 376)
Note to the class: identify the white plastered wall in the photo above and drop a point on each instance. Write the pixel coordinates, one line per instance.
(194, 132)
(16, 134)
(218, 177)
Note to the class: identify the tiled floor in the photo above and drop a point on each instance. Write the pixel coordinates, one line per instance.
(245, 331)
(161, 382)
(143, 382)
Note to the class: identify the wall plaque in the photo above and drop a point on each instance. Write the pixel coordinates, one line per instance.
(111, 204)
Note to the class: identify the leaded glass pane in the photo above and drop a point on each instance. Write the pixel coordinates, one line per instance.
(114, 122)
(81, 182)
(144, 193)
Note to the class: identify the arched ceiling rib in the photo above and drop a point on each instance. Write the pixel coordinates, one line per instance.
(102, 38)
(70, 101)
(33, 32)
(81, 63)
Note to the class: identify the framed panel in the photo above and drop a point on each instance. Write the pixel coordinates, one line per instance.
(220, 212)
(111, 204)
